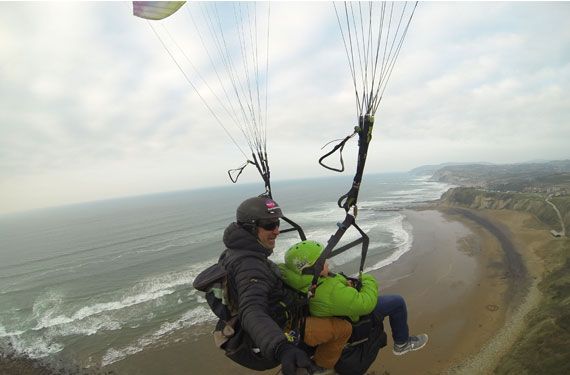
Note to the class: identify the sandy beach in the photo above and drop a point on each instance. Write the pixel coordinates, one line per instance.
(469, 279)
(463, 279)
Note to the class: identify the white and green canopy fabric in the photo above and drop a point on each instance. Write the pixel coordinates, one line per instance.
(155, 10)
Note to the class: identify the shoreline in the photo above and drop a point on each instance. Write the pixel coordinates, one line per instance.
(469, 280)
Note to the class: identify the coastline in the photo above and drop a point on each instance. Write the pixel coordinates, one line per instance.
(461, 286)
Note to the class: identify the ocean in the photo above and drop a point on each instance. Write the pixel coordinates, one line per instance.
(91, 284)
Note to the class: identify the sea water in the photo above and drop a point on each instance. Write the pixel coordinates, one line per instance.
(94, 283)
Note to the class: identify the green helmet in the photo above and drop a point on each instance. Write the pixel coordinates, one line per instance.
(302, 255)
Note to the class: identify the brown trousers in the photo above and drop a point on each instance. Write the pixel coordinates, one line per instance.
(329, 335)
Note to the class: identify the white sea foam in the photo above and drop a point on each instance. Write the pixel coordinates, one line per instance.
(408, 192)
(30, 345)
(47, 310)
(46, 321)
(192, 317)
(35, 347)
(86, 327)
(366, 205)
(201, 299)
(354, 254)
(320, 213)
(4, 333)
(403, 238)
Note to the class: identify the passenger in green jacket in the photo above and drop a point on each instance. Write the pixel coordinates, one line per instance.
(336, 296)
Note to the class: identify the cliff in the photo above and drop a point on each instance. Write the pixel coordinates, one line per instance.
(535, 204)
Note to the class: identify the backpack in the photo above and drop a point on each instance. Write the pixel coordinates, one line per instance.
(228, 334)
(213, 281)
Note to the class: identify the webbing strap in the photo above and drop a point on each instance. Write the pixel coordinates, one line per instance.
(366, 123)
(364, 240)
(262, 165)
(239, 170)
(294, 227)
(348, 200)
(329, 251)
(339, 146)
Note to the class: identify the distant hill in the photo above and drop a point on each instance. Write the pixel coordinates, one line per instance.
(431, 169)
(549, 177)
(532, 187)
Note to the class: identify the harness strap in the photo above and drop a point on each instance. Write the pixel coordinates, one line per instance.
(340, 146)
(329, 251)
(347, 201)
(261, 163)
(239, 170)
(318, 266)
(366, 123)
(294, 227)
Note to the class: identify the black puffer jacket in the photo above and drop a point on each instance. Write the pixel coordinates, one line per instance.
(262, 298)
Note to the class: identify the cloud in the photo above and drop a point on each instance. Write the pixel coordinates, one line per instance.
(92, 106)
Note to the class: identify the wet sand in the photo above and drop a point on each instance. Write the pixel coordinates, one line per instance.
(454, 290)
(468, 280)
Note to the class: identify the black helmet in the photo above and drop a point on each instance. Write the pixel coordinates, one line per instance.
(258, 208)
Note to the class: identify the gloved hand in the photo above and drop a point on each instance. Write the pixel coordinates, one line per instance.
(292, 358)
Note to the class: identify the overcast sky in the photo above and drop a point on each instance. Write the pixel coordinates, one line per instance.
(92, 107)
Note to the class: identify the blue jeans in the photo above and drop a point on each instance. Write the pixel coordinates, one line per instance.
(394, 307)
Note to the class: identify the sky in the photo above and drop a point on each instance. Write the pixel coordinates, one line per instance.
(92, 107)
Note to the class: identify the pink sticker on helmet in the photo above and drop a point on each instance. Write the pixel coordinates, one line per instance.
(270, 204)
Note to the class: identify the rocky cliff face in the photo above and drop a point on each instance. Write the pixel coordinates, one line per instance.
(532, 203)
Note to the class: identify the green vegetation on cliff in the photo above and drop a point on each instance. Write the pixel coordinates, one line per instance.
(548, 178)
(543, 348)
(533, 203)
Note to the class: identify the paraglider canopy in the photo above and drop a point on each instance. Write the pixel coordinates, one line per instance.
(155, 10)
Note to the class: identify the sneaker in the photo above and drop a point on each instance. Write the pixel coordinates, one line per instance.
(413, 343)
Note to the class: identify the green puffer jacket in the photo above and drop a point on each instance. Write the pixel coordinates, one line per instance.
(334, 296)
